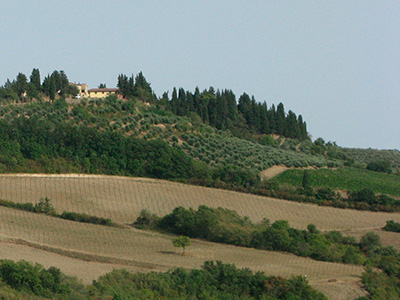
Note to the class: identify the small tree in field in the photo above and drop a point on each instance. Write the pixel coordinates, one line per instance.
(182, 241)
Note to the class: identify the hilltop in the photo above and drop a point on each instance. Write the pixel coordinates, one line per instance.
(205, 138)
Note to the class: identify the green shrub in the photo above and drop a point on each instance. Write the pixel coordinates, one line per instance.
(380, 166)
(146, 218)
(392, 226)
(84, 218)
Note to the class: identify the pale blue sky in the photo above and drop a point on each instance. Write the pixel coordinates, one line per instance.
(337, 63)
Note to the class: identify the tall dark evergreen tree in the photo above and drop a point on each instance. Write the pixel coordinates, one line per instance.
(303, 128)
(244, 107)
(174, 103)
(122, 84)
(264, 122)
(292, 129)
(21, 85)
(280, 119)
(35, 79)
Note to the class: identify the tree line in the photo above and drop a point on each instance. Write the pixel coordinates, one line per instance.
(214, 107)
(221, 110)
(36, 145)
(226, 226)
(214, 280)
(21, 89)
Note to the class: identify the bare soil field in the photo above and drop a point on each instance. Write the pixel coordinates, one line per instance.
(88, 250)
(272, 172)
(122, 199)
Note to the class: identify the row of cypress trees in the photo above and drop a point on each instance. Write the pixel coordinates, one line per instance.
(221, 110)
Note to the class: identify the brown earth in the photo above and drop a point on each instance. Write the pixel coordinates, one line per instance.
(87, 250)
(122, 199)
(272, 172)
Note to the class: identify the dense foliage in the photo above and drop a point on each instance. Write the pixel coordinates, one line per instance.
(87, 149)
(226, 226)
(44, 206)
(380, 166)
(221, 110)
(22, 90)
(214, 280)
(36, 279)
(381, 285)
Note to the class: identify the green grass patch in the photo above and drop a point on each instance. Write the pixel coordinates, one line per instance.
(344, 179)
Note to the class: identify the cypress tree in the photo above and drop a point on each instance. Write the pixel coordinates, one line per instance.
(280, 119)
(306, 179)
(35, 79)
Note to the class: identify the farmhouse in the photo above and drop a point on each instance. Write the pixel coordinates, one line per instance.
(82, 88)
(103, 92)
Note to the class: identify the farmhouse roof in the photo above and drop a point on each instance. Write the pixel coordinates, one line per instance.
(104, 90)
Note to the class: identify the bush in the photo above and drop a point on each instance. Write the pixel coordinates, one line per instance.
(370, 241)
(364, 195)
(146, 218)
(325, 193)
(392, 226)
(380, 166)
(84, 218)
(45, 206)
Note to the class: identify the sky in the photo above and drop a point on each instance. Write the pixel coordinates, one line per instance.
(337, 63)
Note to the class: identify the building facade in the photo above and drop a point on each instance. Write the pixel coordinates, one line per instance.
(103, 92)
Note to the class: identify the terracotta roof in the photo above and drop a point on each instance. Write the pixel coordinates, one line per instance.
(104, 90)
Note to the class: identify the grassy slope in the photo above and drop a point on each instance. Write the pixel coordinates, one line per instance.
(344, 179)
(198, 140)
(367, 155)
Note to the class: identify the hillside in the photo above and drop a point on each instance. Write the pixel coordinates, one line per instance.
(134, 119)
(213, 126)
(122, 198)
(90, 250)
(209, 149)
(344, 179)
